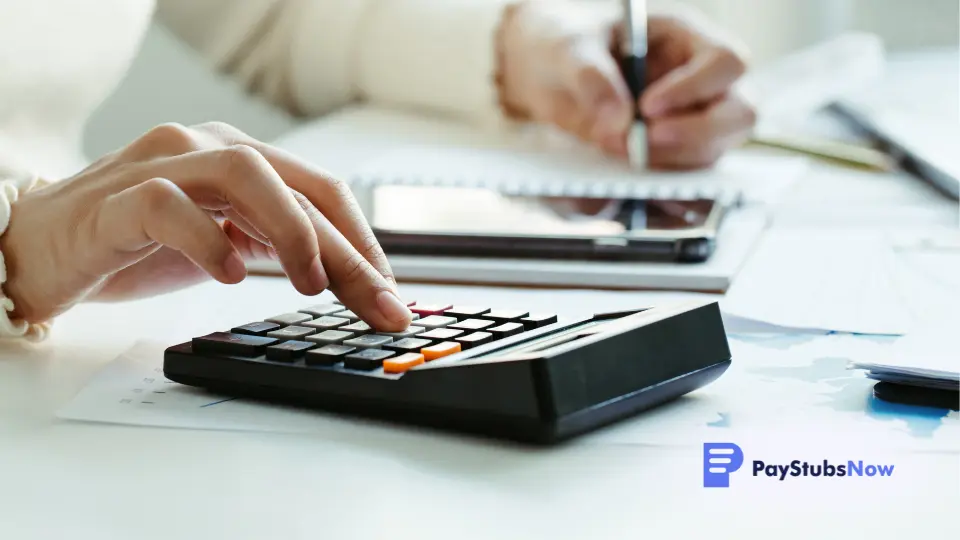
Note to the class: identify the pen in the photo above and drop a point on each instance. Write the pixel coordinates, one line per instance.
(633, 66)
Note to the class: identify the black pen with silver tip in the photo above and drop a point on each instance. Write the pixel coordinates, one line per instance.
(633, 66)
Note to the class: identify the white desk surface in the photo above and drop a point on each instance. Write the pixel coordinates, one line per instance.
(61, 479)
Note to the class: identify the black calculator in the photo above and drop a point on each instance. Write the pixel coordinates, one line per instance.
(500, 372)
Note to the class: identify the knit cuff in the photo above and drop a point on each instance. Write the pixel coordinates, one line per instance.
(10, 190)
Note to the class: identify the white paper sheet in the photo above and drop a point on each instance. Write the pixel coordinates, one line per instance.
(784, 386)
(821, 279)
(929, 353)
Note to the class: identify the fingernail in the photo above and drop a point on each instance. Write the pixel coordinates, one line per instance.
(234, 267)
(392, 308)
(272, 253)
(318, 276)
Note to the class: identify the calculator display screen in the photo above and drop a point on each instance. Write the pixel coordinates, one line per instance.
(447, 210)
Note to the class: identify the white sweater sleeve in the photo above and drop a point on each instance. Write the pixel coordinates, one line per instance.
(312, 56)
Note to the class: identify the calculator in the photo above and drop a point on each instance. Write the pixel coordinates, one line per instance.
(506, 373)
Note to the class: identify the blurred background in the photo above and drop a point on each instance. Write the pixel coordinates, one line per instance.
(177, 86)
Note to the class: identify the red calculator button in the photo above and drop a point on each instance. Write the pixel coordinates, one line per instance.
(425, 310)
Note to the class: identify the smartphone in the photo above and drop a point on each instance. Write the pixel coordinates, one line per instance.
(475, 222)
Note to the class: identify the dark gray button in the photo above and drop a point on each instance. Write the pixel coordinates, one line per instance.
(327, 322)
(330, 337)
(441, 334)
(506, 330)
(408, 345)
(296, 333)
(474, 340)
(321, 310)
(410, 331)
(537, 320)
(288, 351)
(328, 355)
(466, 312)
(256, 328)
(369, 341)
(231, 344)
(505, 315)
(358, 327)
(436, 321)
(347, 314)
(473, 324)
(366, 359)
(289, 318)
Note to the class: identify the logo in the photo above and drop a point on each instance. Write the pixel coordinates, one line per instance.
(719, 460)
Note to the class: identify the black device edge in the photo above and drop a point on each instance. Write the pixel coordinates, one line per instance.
(909, 161)
(529, 430)
(684, 245)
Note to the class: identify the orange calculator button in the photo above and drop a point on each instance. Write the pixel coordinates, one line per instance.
(399, 364)
(440, 350)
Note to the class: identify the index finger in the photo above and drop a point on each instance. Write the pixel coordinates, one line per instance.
(328, 194)
(706, 77)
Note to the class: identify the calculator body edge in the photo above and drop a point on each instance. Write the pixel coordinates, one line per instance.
(542, 386)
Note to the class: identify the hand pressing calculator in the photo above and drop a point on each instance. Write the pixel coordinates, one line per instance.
(505, 373)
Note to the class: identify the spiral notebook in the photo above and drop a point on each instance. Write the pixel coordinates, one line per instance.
(372, 146)
(557, 172)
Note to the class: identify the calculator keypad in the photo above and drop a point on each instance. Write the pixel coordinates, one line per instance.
(330, 335)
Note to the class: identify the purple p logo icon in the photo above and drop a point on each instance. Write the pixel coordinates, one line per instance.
(719, 460)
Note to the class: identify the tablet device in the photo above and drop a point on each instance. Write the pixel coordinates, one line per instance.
(476, 222)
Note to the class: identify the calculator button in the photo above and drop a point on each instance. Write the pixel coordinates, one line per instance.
(330, 337)
(425, 310)
(472, 324)
(327, 355)
(506, 330)
(441, 334)
(537, 320)
(256, 328)
(505, 315)
(435, 321)
(369, 341)
(288, 351)
(231, 344)
(410, 331)
(296, 333)
(465, 312)
(475, 339)
(321, 310)
(440, 350)
(327, 323)
(347, 314)
(408, 345)
(289, 318)
(358, 327)
(366, 359)
(402, 363)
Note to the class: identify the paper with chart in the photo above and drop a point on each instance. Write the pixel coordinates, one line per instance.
(780, 387)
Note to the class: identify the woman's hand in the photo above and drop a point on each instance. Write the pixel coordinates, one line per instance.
(180, 204)
(558, 65)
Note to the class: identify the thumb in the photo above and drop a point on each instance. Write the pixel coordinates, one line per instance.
(593, 77)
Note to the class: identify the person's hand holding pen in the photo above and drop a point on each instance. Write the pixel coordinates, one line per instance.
(559, 65)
